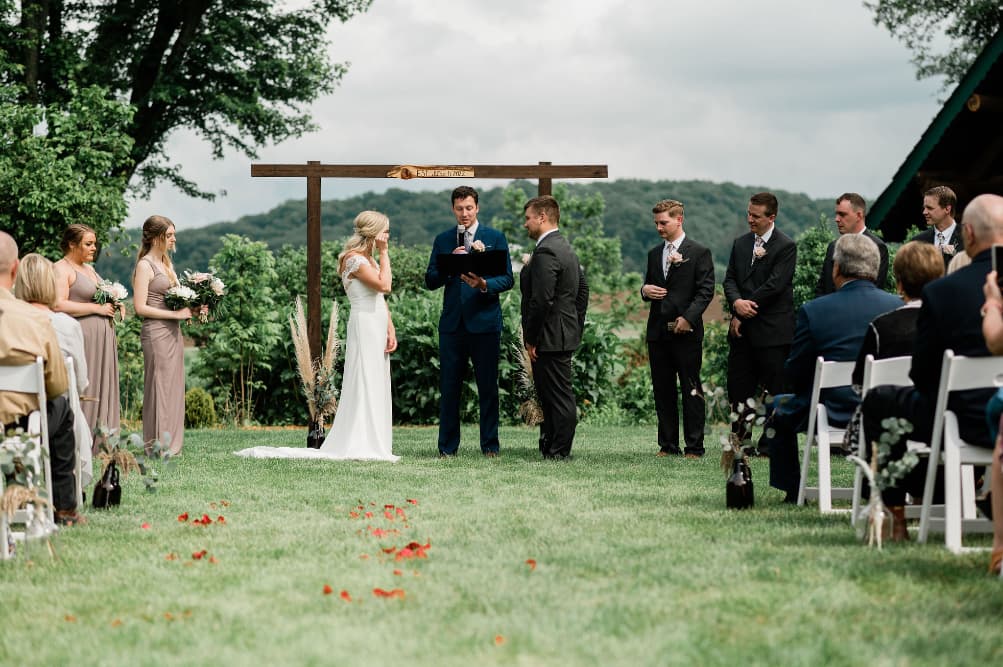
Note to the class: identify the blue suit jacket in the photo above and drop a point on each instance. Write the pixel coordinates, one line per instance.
(833, 327)
(478, 312)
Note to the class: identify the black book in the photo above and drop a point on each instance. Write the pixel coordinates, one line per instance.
(485, 263)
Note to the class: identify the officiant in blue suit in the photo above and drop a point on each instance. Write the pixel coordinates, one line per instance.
(470, 325)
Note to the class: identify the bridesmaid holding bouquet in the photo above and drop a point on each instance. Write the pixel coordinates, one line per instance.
(163, 347)
(76, 285)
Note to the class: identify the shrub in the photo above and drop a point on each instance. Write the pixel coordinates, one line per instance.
(130, 366)
(200, 409)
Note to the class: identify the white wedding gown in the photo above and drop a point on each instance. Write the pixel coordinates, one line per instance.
(362, 426)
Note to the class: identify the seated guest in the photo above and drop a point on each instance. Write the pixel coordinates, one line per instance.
(36, 284)
(992, 329)
(891, 334)
(831, 327)
(25, 333)
(949, 319)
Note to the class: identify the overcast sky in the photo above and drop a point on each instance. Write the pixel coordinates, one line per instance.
(805, 95)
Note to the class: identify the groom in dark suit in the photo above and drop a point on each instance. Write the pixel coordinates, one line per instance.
(679, 285)
(470, 325)
(555, 296)
(758, 286)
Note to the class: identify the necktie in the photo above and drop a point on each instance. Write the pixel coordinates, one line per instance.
(756, 249)
(467, 240)
(940, 239)
(669, 249)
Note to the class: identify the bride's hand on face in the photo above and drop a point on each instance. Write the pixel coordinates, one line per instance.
(382, 240)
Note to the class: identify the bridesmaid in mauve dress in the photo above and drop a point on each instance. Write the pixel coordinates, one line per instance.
(163, 347)
(76, 283)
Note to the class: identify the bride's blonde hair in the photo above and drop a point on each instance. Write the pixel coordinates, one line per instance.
(367, 225)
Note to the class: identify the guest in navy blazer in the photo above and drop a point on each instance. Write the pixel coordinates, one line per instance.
(470, 325)
(679, 285)
(831, 327)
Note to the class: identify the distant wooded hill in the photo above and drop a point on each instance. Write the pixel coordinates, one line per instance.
(715, 214)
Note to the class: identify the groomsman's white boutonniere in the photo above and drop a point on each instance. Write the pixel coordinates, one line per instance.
(477, 246)
(948, 249)
(676, 258)
(759, 252)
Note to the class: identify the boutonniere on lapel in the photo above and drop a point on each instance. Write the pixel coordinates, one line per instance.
(948, 249)
(759, 252)
(477, 246)
(675, 258)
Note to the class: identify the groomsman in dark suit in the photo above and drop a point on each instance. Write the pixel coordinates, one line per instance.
(679, 285)
(758, 286)
(850, 211)
(555, 296)
(470, 325)
(939, 204)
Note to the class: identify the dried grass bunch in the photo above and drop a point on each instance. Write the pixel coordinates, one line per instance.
(317, 376)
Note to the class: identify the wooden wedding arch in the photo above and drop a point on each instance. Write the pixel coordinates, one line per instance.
(314, 171)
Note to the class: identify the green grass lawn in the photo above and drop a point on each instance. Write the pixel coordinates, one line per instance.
(637, 563)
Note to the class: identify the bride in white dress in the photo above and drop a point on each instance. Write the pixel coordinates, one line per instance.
(362, 426)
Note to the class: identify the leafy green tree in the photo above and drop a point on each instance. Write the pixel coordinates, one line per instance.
(239, 73)
(920, 24)
(812, 244)
(239, 342)
(62, 164)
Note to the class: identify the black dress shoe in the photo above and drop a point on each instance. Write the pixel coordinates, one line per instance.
(791, 498)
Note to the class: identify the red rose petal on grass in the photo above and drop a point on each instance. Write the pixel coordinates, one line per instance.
(172, 556)
(116, 622)
(354, 515)
(364, 556)
(372, 503)
(145, 526)
(369, 515)
(328, 590)
(532, 564)
(199, 554)
(412, 501)
(70, 618)
(206, 520)
(168, 616)
(388, 550)
(400, 511)
(213, 560)
(224, 503)
(388, 507)
(183, 517)
(345, 596)
(397, 573)
(221, 519)
(499, 640)
(395, 593)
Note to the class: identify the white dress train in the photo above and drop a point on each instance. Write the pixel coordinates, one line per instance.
(362, 426)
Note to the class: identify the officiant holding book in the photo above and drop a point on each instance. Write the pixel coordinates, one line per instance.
(471, 322)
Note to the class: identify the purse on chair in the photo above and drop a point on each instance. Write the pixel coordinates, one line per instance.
(107, 492)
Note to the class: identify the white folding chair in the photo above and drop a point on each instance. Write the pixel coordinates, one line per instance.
(30, 379)
(947, 448)
(893, 371)
(828, 375)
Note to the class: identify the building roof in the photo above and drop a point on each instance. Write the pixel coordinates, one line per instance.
(962, 149)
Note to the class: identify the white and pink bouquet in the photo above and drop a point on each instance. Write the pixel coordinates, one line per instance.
(209, 291)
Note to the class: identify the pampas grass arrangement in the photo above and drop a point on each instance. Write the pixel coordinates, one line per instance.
(529, 409)
(317, 376)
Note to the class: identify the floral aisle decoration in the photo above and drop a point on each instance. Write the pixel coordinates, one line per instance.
(20, 473)
(739, 488)
(883, 474)
(317, 377)
(119, 455)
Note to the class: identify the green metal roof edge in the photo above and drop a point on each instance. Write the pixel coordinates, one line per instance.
(955, 103)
